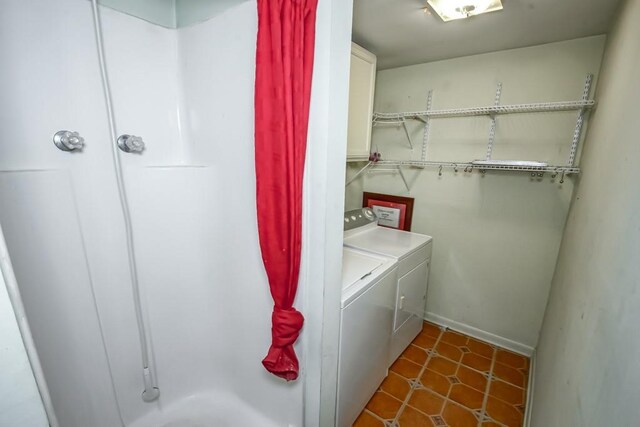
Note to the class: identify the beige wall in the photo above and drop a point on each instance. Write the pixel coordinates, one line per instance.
(496, 237)
(587, 370)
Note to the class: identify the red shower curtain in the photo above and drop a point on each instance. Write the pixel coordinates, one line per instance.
(284, 63)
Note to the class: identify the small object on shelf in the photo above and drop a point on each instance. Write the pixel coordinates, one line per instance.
(375, 156)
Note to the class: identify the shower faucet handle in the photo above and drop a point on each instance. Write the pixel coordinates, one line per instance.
(130, 143)
(68, 141)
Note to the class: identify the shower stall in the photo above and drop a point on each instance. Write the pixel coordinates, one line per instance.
(127, 202)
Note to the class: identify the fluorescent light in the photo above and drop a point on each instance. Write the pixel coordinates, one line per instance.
(449, 10)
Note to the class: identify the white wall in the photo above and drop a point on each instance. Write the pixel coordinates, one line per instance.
(60, 212)
(496, 237)
(323, 209)
(587, 371)
(20, 403)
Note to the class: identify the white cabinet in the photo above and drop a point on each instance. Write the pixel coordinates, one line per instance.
(362, 82)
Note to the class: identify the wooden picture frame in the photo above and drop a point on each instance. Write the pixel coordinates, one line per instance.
(392, 211)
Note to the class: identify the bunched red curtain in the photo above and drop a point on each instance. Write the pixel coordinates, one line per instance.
(284, 63)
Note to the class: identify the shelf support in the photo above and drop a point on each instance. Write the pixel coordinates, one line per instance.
(577, 132)
(492, 127)
(425, 135)
(406, 131)
(404, 179)
(353, 178)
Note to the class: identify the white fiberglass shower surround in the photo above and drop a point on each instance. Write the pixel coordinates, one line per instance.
(205, 303)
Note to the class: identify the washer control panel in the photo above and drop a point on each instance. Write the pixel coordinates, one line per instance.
(358, 218)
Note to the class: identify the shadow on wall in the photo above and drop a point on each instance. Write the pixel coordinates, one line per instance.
(172, 13)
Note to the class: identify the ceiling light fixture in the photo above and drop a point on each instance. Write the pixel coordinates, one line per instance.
(450, 10)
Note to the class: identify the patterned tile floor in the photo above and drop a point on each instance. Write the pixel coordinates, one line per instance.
(448, 379)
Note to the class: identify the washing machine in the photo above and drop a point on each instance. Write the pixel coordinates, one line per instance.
(413, 254)
(367, 310)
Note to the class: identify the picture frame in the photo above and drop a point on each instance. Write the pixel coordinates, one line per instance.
(392, 211)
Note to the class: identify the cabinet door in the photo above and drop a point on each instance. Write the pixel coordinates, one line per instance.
(412, 294)
(362, 82)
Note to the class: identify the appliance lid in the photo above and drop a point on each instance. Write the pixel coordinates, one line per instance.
(387, 241)
(357, 265)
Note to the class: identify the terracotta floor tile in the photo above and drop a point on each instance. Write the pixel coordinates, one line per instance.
(431, 330)
(425, 341)
(456, 416)
(406, 368)
(466, 396)
(481, 348)
(512, 359)
(471, 378)
(435, 382)
(503, 412)
(510, 375)
(476, 362)
(383, 405)
(367, 420)
(415, 354)
(507, 392)
(412, 418)
(454, 385)
(426, 401)
(442, 366)
(454, 338)
(396, 386)
(449, 351)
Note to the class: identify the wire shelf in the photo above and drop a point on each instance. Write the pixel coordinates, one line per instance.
(469, 166)
(539, 107)
(539, 170)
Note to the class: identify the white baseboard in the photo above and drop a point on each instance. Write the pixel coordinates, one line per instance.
(532, 376)
(514, 346)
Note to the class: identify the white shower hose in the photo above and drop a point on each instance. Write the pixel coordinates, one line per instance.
(151, 391)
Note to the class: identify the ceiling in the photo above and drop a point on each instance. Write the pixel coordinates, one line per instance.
(400, 33)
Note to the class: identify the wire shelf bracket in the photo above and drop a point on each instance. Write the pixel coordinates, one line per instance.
(577, 132)
(425, 134)
(492, 127)
(357, 174)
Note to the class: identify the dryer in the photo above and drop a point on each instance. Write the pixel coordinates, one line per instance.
(367, 309)
(413, 253)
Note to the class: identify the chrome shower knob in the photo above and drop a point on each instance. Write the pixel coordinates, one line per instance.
(130, 143)
(68, 140)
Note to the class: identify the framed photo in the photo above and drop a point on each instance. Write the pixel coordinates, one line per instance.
(392, 211)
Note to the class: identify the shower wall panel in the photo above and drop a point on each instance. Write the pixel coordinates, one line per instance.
(189, 94)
